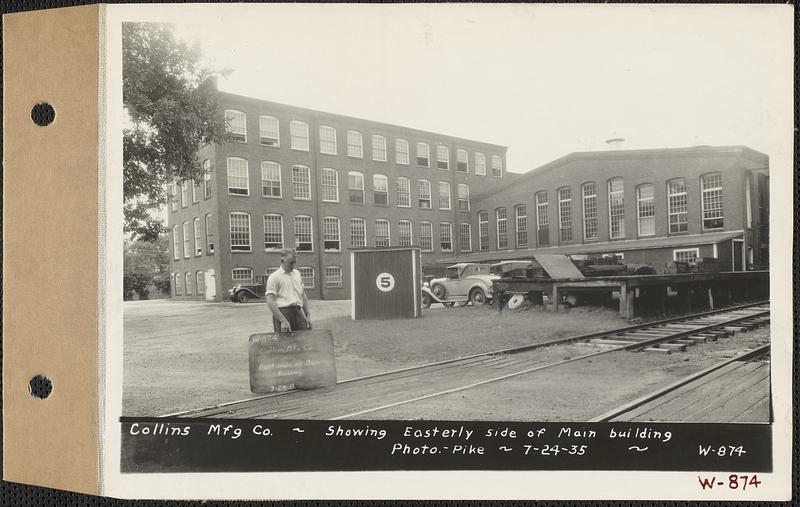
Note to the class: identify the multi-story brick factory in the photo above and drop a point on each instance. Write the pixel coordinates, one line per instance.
(329, 183)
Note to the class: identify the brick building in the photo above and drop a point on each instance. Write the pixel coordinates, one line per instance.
(321, 183)
(645, 206)
(324, 183)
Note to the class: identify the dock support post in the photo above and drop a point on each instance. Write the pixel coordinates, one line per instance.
(555, 297)
(623, 300)
(629, 300)
(710, 299)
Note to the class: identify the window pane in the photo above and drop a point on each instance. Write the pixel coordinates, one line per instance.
(240, 232)
(303, 234)
(380, 189)
(382, 237)
(712, 201)
(424, 193)
(401, 151)
(423, 155)
(379, 148)
(242, 275)
(465, 237)
(236, 123)
(442, 157)
(355, 146)
(269, 131)
(426, 236)
(542, 219)
(307, 276)
(565, 214)
(301, 182)
(273, 232)
(298, 132)
(330, 234)
(497, 166)
(358, 232)
(462, 161)
(645, 204)
(444, 195)
(403, 192)
(616, 208)
(404, 233)
(330, 185)
(446, 237)
(589, 211)
(502, 228)
(678, 221)
(483, 229)
(480, 164)
(270, 179)
(463, 197)
(333, 277)
(238, 177)
(355, 183)
(522, 226)
(327, 140)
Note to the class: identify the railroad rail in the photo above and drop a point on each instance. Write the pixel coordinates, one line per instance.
(357, 396)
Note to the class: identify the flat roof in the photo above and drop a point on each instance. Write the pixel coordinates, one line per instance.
(605, 246)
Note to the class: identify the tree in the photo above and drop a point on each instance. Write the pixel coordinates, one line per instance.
(170, 100)
(141, 256)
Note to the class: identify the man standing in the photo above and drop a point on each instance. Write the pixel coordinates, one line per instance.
(286, 297)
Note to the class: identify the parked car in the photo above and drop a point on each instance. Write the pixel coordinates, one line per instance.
(464, 282)
(244, 292)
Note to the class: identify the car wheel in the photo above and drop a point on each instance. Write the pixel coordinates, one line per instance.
(477, 296)
(243, 297)
(516, 301)
(426, 300)
(439, 291)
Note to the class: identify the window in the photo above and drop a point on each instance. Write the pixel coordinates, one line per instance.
(327, 140)
(269, 131)
(330, 185)
(330, 234)
(565, 214)
(483, 229)
(303, 234)
(176, 243)
(444, 195)
(589, 211)
(686, 254)
(199, 283)
(270, 179)
(616, 208)
(187, 241)
(502, 228)
(236, 124)
(206, 179)
(273, 232)
(238, 177)
(401, 151)
(426, 236)
(646, 210)
(676, 202)
(301, 183)
(380, 189)
(269, 271)
(403, 192)
(188, 277)
(462, 161)
(463, 197)
(209, 236)
(195, 196)
(355, 144)
(382, 237)
(497, 166)
(333, 277)
(184, 194)
(298, 135)
(711, 185)
(178, 284)
(542, 219)
(446, 237)
(443, 157)
(424, 193)
(242, 275)
(465, 237)
(522, 225)
(198, 245)
(307, 276)
(358, 232)
(173, 196)
(480, 164)
(240, 232)
(355, 183)
(404, 237)
(423, 155)
(379, 148)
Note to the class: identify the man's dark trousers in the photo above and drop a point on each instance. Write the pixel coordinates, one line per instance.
(295, 316)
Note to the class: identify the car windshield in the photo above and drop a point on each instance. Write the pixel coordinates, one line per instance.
(452, 273)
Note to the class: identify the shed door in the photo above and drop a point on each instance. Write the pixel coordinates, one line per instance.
(738, 255)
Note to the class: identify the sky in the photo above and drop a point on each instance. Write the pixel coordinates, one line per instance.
(543, 80)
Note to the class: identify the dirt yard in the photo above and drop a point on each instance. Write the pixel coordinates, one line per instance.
(186, 355)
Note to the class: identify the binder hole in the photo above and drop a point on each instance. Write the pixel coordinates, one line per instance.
(43, 114)
(40, 387)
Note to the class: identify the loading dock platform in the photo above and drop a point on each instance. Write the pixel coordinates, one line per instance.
(712, 289)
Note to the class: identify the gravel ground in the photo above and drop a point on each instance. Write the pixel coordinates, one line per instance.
(578, 391)
(181, 355)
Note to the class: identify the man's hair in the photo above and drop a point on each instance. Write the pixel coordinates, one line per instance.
(288, 251)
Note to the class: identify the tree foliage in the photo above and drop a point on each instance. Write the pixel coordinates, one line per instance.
(171, 104)
(141, 256)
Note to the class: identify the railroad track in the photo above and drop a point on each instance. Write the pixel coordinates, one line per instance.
(357, 396)
(734, 390)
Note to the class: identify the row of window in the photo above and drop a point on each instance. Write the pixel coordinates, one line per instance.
(195, 189)
(269, 135)
(272, 186)
(303, 232)
(182, 283)
(711, 204)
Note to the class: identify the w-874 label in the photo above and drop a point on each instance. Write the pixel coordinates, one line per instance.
(733, 481)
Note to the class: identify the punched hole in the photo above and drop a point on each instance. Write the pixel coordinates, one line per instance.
(40, 387)
(43, 114)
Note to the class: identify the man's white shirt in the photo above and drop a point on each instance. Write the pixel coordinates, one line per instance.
(287, 287)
